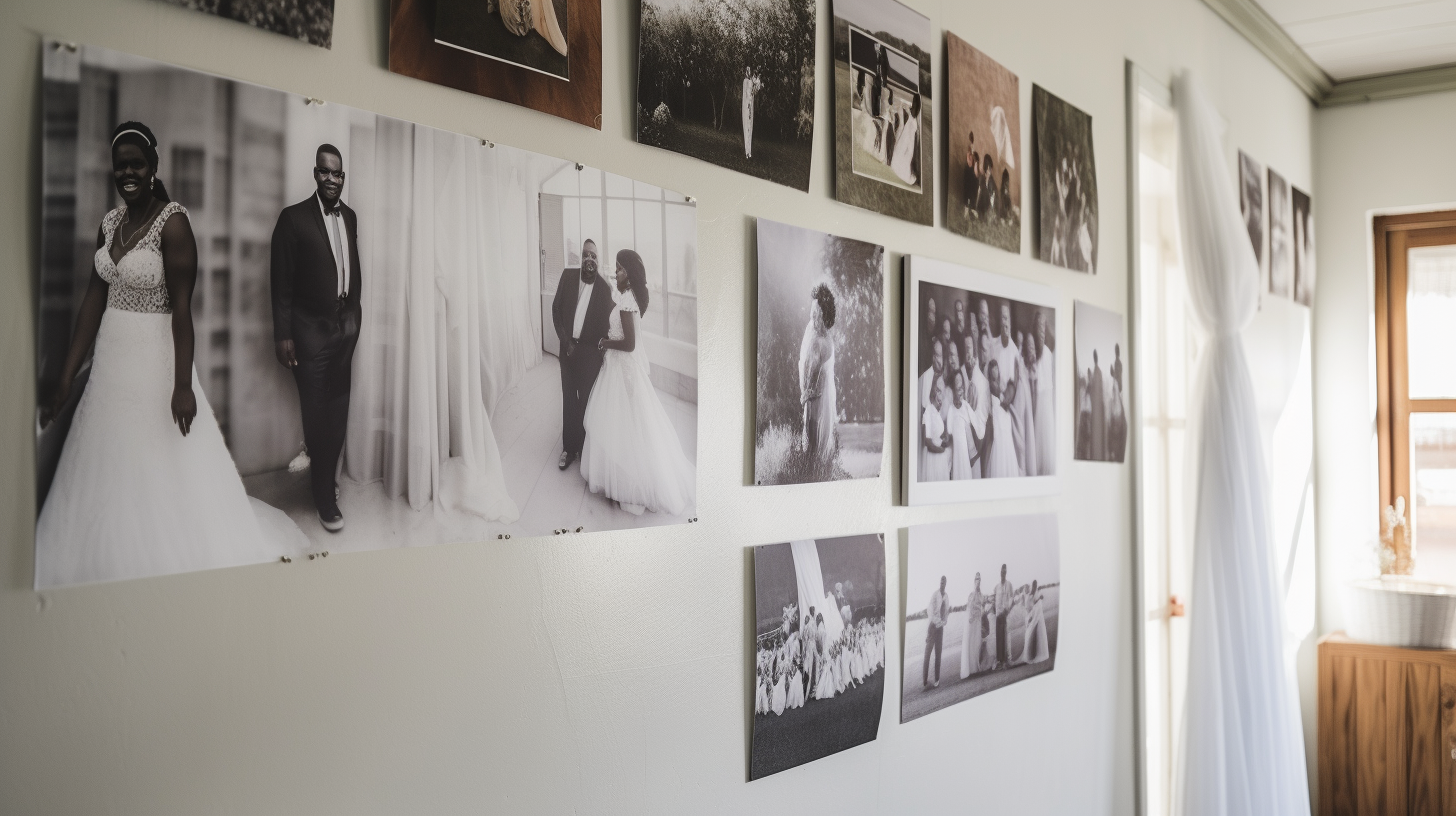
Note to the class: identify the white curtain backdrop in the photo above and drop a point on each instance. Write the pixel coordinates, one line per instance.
(446, 233)
(1243, 751)
(811, 587)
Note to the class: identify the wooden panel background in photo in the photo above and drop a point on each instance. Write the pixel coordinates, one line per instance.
(413, 52)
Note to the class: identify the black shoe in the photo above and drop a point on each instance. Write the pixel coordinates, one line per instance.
(331, 518)
(565, 461)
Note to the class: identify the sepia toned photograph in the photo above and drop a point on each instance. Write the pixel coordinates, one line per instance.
(983, 185)
(270, 328)
(1281, 237)
(1303, 245)
(530, 34)
(545, 55)
(821, 370)
(311, 21)
(818, 684)
(730, 82)
(1100, 434)
(1066, 183)
(1251, 205)
(982, 609)
(981, 385)
(882, 109)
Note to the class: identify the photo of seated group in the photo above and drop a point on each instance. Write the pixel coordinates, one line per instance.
(983, 390)
(319, 328)
(982, 609)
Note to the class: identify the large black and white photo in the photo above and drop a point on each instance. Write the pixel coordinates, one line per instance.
(311, 21)
(1281, 237)
(730, 82)
(821, 370)
(980, 384)
(1066, 183)
(818, 687)
(1302, 241)
(882, 109)
(982, 609)
(1251, 204)
(983, 187)
(318, 328)
(1101, 424)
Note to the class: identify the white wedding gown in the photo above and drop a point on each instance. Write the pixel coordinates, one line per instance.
(132, 497)
(632, 453)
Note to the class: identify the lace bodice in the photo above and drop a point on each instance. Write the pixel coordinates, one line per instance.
(138, 283)
(625, 302)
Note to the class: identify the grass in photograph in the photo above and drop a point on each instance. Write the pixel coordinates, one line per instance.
(785, 163)
(820, 728)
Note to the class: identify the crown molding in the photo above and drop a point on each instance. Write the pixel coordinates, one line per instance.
(1251, 20)
(1391, 86)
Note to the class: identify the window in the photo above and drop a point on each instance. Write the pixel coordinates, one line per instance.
(187, 172)
(1415, 330)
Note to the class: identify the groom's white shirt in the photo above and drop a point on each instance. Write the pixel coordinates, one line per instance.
(583, 301)
(936, 609)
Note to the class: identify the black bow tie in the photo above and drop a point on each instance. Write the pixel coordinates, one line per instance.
(334, 210)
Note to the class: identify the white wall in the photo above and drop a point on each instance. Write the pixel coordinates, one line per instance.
(1370, 159)
(606, 673)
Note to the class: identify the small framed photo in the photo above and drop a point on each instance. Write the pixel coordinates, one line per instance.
(980, 385)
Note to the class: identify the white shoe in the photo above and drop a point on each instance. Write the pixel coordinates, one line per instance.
(333, 525)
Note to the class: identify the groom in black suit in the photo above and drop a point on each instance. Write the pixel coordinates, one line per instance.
(316, 281)
(581, 312)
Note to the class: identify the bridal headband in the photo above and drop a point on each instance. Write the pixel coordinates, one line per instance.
(144, 136)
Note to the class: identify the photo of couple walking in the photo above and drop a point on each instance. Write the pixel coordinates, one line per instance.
(340, 332)
(991, 610)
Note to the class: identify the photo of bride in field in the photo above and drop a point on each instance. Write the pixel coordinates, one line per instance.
(821, 372)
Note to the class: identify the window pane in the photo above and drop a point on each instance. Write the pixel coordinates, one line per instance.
(620, 233)
(682, 250)
(683, 318)
(1433, 481)
(619, 186)
(1431, 321)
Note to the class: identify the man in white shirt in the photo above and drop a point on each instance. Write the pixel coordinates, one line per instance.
(937, 611)
(581, 313)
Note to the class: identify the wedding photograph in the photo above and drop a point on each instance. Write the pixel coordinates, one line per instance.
(1281, 237)
(1251, 205)
(730, 82)
(983, 185)
(882, 109)
(311, 21)
(532, 35)
(1303, 243)
(819, 608)
(1066, 183)
(821, 357)
(1100, 433)
(981, 382)
(544, 55)
(318, 328)
(982, 609)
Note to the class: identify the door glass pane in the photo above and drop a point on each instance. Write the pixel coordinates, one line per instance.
(1431, 321)
(1433, 483)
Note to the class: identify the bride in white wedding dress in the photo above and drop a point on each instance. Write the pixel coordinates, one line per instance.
(632, 453)
(145, 485)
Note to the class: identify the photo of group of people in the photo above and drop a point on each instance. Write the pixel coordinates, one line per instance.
(821, 370)
(1101, 431)
(311, 21)
(1067, 183)
(983, 187)
(701, 63)
(982, 382)
(820, 645)
(882, 108)
(319, 328)
(982, 610)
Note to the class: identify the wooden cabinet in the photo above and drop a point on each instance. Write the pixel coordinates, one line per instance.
(1387, 730)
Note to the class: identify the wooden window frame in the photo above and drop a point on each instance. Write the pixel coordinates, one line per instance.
(1395, 235)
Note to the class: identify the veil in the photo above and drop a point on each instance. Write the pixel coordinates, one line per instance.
(811, 588)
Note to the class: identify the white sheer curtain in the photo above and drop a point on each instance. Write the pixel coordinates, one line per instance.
(1242, 747)
(445, 233)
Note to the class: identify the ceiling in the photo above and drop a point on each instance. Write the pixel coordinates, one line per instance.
(1360, 38)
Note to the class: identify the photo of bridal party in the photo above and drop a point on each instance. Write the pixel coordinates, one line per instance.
(730, 82)
(982, 609)
(983, 187)
(883, 109)
(821, 367)
(820, 648)
(268, 327)
(1066, 183)
(1100, 434)
(982, 383)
